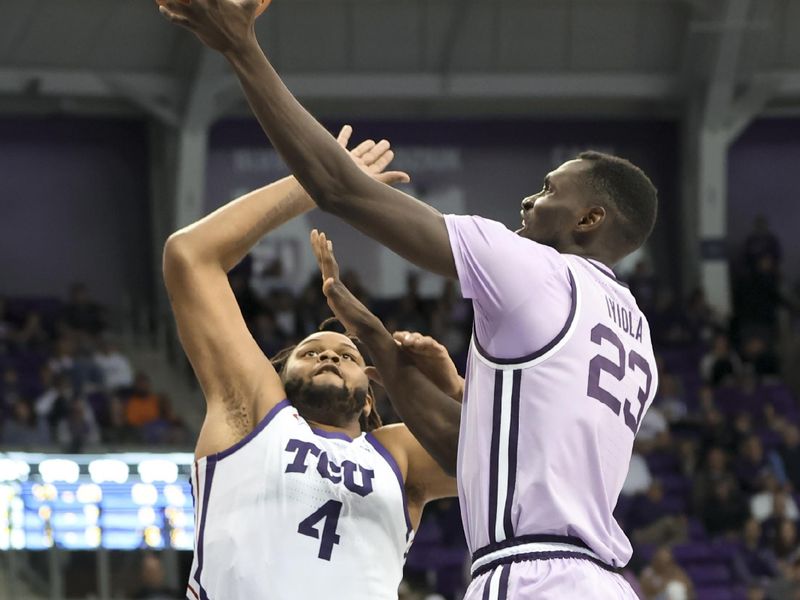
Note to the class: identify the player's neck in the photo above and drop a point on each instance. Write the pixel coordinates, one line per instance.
(598, 256)
(351, 430)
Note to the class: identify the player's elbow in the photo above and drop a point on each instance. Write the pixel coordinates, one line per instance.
(177, 258)
(339, 193)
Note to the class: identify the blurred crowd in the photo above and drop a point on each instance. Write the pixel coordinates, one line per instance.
(65, 385)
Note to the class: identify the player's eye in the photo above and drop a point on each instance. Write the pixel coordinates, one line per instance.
(310, 353)
(348, 356)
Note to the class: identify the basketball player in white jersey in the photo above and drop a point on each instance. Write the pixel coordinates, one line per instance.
(561, 368)
(299, 493)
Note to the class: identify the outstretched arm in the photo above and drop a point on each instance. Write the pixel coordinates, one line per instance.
(239, 383)
(410, 228)
(430, 414)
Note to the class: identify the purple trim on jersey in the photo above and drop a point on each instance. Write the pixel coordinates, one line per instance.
(332, 435)
(545, 349)
(607, 271)
(494, 452)
(547, 555)
(530, 539)
(211, 464)
(503, 588)
(513, 441)
(487, 587)
(393, 464)
(256, 430)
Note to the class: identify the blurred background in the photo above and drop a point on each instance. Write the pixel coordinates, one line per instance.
(117, 128)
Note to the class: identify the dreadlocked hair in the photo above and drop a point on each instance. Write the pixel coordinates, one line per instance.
(368, 423)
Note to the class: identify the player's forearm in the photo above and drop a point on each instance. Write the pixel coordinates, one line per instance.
(430, 414)
(225, 236)
(321, 166)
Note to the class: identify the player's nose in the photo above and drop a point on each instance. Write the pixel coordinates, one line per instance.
(329, 355)
(527, 203)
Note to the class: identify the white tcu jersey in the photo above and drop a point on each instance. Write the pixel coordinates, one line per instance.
(293, 513)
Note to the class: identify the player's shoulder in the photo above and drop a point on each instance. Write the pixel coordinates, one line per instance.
(397, 440)
(494, 232)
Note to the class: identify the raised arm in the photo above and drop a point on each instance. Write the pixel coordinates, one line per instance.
(239, 383)
(410, 228)
(432, 416)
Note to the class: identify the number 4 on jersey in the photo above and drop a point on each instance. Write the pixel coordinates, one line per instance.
(330, 513)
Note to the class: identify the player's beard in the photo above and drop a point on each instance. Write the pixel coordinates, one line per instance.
(324, 403)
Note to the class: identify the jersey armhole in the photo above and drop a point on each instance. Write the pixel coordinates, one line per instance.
(544, 352)
(262, 424)
(396, 468)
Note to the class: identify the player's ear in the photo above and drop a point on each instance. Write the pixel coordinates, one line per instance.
(591, 219)
(369, 405)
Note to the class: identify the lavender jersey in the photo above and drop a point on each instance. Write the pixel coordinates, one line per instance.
(560, 373)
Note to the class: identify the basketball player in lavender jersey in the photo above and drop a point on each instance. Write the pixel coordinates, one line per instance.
(299, 491)
(561, 368)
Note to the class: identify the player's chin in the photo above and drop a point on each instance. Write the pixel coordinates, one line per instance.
(328, 379)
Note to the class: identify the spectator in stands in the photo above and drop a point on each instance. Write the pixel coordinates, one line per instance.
(653, 431)
(787, 586)
(761, 243)
(63, 360)
(9, 388)
(409, 315)
(752, 465)
(773, 502)
(670, 399)
(756, 591)
(654, 521)
(311, 308)
(668, 322)
(700, 316)
(758, 296)
(22, 428)
(77, 428)
(715, 431)
(449, 320)
(52, 405)
(725, 510)
(759, 358)
(714, 471)
(720, 365)
(266, 333)
(789, 452)
(786, 544)
(688, 456)
(153, 580)
(639, 478)
(142, 406)
(663, 579)
(115, 368)
(644, 286)
(81, 312)
(118, 431)
(281, 304)
(32, 336)
(752, 563)
(239, 278)
(742, 428)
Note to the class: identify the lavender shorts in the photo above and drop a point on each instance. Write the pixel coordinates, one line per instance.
(550, 579)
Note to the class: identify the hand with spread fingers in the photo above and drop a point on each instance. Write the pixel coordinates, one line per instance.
(373, 158)
(433, 360)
